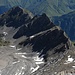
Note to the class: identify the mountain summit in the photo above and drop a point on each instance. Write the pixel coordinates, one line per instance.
(15, 17)
(37, 46)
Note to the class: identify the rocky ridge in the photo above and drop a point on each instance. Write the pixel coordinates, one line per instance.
(38, 34)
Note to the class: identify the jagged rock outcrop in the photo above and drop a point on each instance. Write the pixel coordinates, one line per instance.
(37, 35)
(37, 24)
(15, 17)
(48, 42)
(42, 35)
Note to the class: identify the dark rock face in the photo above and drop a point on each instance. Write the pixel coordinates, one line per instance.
(41, 34)
(36, 25)
(67, 23)
(15, 17)
(48, 42)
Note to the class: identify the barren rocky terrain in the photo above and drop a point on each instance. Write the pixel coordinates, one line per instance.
(34, 45)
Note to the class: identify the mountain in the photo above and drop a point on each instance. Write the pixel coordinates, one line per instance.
(15, 15)
(35, 44)
(50, 7)
(67, 23)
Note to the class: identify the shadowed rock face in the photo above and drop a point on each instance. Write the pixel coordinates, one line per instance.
(41, 34)
(36, 35)
(36, 25)
(15, 17)
(48, 42)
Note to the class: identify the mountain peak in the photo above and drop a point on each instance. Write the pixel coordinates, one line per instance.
(15, 10)
(15, 17)
(31, 37)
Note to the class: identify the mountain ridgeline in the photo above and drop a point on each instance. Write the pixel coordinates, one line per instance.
(67, 23)
(32, 35)
(41, 35)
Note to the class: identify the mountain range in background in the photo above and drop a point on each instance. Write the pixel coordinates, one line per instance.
(67, 23)
(37, 7)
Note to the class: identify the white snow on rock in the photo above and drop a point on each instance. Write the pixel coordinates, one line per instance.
(31, 37)
(70, 59)
(73, 66)
(5, 33)
(24, 56)
(21, 53)
(13, 46)
(69, 56)
(37, 58)
(35, 69)
(38, 61)
(23, 67)
(15, 62)
(19, 49)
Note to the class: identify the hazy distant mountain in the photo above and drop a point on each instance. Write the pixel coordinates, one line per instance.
(67, 23)
(50, 7)
(3, 9)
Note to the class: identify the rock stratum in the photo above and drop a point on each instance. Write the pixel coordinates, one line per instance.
(36, 46)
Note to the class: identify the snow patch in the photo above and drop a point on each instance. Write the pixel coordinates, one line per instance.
(38, 61)
(20, 53)
(70, 59)
(19, 49)
(35, 69)
(15, 62)
(23, 67)
(31, 37)
(24, 56)
(13, 46)
(69, 56)
(73, 66)
(5, 33)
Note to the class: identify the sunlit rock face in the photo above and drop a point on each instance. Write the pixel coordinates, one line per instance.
(36, 46)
